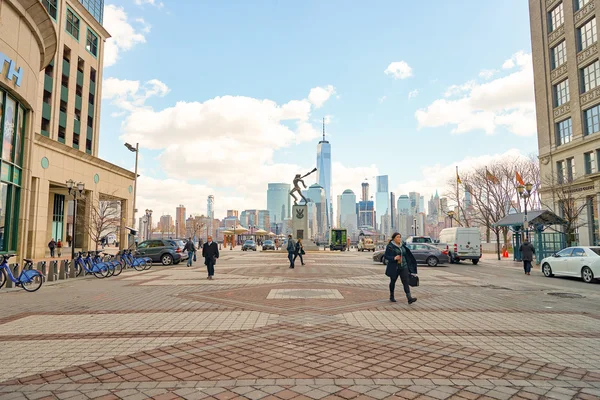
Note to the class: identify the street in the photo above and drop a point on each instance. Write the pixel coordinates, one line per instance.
(323, 330)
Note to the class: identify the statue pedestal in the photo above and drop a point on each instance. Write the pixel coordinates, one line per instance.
(300, 226)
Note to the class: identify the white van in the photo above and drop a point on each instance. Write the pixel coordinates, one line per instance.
(463, 244)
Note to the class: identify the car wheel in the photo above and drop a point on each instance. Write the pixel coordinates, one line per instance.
(587, 275)
(432, 261)
(166, 259)
(546, 270)
(475, 261)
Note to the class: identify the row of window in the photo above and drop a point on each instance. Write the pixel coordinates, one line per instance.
(587, 35)
(565, 169)
(591, 160)
(591, 124)
(556, 17)
(590, 79)
(73, 25)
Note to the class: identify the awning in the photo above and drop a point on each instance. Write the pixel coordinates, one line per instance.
(534, 217)
(260, 232)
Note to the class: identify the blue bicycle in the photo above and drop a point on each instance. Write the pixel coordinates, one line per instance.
(82, 265)
(139, 263)
(29, 279)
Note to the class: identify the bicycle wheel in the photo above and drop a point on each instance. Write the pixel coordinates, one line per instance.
(147, 265)
(110, 269)
(2, 278)
(139, 265)
(100, 272)
(34, 282)
(118, 268)
(78, 269)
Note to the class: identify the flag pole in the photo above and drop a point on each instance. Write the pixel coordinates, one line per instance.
(457, 197)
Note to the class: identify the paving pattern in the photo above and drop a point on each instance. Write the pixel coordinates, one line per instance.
(325, 330)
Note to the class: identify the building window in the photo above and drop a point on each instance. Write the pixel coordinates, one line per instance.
(591, 76)
(559, 54)
(61, 134)
(73, 24)
(91, 98)
(587, 34)
(564, 132)
(561, 171)
(570, 169)
(579, 4)
(590, 162)
(592, 120)
(76, 140)
(556, 18)
(51, 7)
(58, 217)
(561, 93)
(88, 146)
(93, 75)
(91, 44)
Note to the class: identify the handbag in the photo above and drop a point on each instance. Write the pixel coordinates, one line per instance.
(413, 280)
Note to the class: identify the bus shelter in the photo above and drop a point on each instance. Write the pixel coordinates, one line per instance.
(539, 224)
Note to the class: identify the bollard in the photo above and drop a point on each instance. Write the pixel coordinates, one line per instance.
(53, 271)
(41, 267)
(72, 271)
(62, 270)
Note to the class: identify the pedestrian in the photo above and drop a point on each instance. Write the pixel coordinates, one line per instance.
(299, 251)
(69, 240)
(291, 249)
(527, 251)
(52, 246)
(210, 252)
(400, 262)
(191, 249)
(59, 247)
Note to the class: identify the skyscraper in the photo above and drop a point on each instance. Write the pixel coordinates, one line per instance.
(180, 221)
(393, 214)
(210, 211)
(278, 201)
(232, 213)
(95, 7)
(166, 223)
(421, 204)
(382, 200)
(365, 191)
(347, 211)
(324, 174)
(316, 194)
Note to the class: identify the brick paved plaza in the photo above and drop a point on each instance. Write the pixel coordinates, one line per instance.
(325, 330)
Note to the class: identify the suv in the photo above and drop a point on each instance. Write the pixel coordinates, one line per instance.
(180, 243)
(419, 239)
(249, 245)
(160, 251)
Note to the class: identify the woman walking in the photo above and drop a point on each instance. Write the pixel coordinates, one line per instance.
(299, 251)
(402, 263)
(59, 247)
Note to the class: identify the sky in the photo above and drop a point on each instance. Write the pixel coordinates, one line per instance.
(225, 97)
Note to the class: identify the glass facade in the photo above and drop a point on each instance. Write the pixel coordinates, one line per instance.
(279, 201)
(324, 175)
(12, 127)
(95, 7)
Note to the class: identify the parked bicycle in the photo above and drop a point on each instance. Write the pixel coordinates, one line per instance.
(137, 263)
(82, 266)
(29, 279)
(115, 267)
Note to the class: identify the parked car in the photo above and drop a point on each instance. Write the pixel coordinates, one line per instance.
(249, 245)
(463, 244)
(160, 251)
(366, 244)
(180, 248)
(268, 245)
(424, 254)
(419, 239)
(581, 261)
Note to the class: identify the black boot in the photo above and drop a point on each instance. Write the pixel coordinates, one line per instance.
(392, 299)
(411, 299)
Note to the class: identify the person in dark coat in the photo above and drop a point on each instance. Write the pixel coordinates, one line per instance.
(52, 246)
(527, 251)
(291, 249)
(299, 251)
(210, 252)
(191, 249)
(400, 263)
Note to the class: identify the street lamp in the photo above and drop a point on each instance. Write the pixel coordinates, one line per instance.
(415, 225)
(74, 189)
(137, 152)
(525, 193)
(451, 215)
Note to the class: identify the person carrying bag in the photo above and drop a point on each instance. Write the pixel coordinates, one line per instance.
(401, 263)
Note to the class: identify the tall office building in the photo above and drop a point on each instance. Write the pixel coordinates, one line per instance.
(316, 194)
(382, 200)
(324, 174)
(403, 204)
(279, 201)
(566, 63)
(414, 202)
(166, 224)
(232, 213)
(210, 212)
(394, 215)
(364, 191)
(421, 204)
(264, 220)
(366, 214)
(347, 210)
(180, 221)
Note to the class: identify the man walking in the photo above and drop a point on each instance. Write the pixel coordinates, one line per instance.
(191, 249)
(52, 246)
(291, 249)
(210, 252)
(527, 251)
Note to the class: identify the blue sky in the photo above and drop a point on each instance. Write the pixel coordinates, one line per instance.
(170, 66)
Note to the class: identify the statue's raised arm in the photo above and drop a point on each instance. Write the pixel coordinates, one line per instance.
(297, 180)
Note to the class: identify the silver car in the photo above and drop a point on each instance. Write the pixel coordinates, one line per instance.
(424, 254)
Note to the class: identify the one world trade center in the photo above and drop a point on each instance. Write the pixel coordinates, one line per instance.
(324, 171)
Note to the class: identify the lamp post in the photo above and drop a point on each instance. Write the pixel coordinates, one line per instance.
(74, 189)
(415, 226)
(137, 152)
(451, 215)
(232, 234)
(525, 194)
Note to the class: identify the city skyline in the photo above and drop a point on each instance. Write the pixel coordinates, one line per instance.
(392, 96)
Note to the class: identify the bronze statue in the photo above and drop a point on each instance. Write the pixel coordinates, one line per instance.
(297, 181)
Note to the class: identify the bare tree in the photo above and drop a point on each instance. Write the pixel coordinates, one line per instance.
(195, 226)
(453, 194)
(105, 218)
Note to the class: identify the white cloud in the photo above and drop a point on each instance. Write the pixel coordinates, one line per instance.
(319, 95)
(503, 102)
(382, 99)
(155, 3)
(399, 69)
(487, 73)
(413, 93)
(123, 35)
(131, 95)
